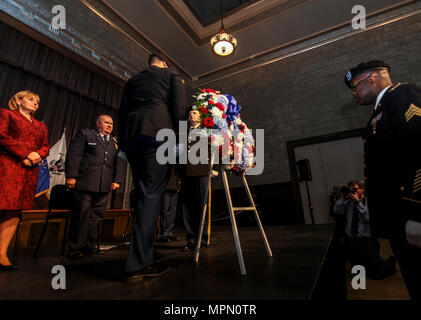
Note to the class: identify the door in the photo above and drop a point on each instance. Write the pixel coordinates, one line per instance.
(332, 163)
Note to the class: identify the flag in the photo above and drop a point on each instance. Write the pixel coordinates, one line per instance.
(56, 161)
(43, 183)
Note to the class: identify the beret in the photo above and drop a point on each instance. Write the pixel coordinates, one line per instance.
(352, 73)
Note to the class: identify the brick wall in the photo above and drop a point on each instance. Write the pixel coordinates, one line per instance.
(304, 96)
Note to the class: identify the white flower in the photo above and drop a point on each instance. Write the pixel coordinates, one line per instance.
(216, 113)
(202, 96)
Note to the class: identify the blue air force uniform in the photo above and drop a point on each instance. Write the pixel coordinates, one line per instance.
(95, 165)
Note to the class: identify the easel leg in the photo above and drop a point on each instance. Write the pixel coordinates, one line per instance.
(202, 220)
(234, 224)
(259, 223)
(209, 211)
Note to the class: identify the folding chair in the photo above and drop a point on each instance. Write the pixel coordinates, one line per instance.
(61, 200)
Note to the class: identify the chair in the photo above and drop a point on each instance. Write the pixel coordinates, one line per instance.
(61, 199)
(130, 217)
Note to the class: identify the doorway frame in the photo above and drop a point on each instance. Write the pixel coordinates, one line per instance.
(291, 145)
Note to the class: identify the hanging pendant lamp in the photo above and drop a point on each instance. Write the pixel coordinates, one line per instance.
(223, 44)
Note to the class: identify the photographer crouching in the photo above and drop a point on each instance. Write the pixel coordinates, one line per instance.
(361, 248)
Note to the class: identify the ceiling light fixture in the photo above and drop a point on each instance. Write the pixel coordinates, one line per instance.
(223, 44)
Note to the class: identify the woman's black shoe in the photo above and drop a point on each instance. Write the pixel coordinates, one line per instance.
(8, 268)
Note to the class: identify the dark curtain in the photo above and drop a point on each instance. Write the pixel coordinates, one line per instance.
(71, 95)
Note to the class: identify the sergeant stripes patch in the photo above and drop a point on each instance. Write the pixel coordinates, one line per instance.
(417, 182)
(412, 111)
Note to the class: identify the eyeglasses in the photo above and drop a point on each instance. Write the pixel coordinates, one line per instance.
(354, 87)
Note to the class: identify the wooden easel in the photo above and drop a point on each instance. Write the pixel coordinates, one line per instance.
(232, 209)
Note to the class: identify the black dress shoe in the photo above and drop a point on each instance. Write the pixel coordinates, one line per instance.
(158, 257)
(75, 255)
(91, 252)
(10, 267)
(189, 247)
(163, 239)
(156, 269)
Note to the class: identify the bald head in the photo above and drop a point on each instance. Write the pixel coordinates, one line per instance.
(104, 124)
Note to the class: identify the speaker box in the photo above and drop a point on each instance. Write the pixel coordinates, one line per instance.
(304, 172)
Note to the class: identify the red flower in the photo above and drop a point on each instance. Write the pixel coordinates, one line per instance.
(208, 123)
(219, 106)
(224, 116)
(211, 102)
(204, 110)
(210, 90)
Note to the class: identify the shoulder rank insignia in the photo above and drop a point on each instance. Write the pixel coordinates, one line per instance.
(416, 186)
(395, 86)
(412, 111)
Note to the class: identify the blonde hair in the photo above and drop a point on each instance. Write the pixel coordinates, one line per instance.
(13, 102)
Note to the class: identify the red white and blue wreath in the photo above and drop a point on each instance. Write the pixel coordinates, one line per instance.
(222, 124)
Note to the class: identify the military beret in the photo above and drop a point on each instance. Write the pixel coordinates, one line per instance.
(352, 73)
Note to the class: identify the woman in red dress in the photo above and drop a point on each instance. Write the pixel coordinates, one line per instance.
(23, 144)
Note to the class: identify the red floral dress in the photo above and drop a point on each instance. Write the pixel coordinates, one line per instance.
(18, 138)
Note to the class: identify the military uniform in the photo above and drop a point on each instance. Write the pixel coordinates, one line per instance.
(95, 165)
(392, 164)
(392, 159)
(194, 181)
(154, 99)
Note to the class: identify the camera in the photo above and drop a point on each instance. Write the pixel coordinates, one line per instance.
(346, 190)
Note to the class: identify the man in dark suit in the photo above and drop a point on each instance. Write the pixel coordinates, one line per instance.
(392, 158)
(169, 210)
(93, 169)
(154, 99)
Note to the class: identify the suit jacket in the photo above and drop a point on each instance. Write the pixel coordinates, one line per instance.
(154, 99)
(392, 158)
(94, 164)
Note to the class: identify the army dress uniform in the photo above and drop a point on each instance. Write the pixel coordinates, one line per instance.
(95, 164)
(392, 166)
(194, 181)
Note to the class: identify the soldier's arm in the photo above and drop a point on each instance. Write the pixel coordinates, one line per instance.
(179, 101)
(119, 165)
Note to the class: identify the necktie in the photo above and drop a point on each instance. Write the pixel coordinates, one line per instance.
(355, 220)
(106, 140)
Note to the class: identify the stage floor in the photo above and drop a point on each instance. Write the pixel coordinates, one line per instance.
(291, 274)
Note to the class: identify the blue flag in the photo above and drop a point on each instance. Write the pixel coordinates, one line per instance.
(43, 178)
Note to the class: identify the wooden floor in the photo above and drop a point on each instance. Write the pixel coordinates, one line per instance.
(390, 288)
(291, 274)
